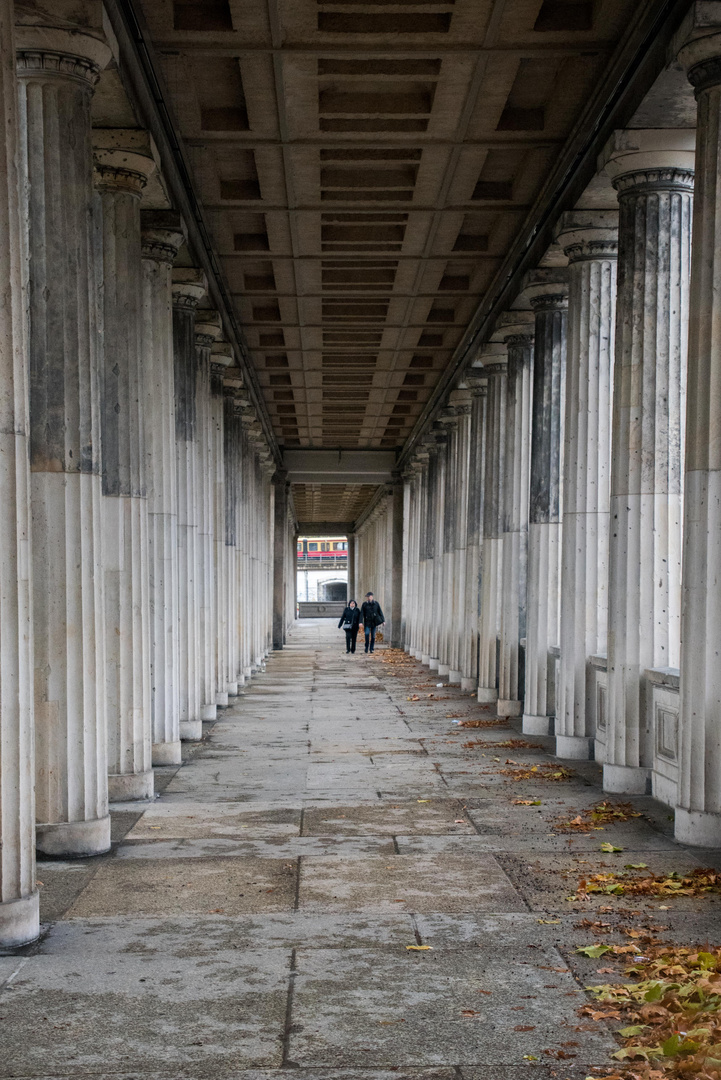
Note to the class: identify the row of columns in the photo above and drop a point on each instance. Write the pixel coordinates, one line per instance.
(562, 508)
(135, 479)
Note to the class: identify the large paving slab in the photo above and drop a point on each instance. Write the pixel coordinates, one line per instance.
(339, 884)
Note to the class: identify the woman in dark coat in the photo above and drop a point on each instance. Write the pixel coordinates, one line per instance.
(350, 621)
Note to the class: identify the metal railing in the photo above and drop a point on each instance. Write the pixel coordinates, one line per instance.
(324, 560)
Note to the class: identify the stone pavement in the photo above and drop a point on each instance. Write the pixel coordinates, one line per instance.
(255, 918)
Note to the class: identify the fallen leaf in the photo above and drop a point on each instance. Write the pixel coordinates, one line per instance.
(418, 948)
(525, 1027)
(609, 848)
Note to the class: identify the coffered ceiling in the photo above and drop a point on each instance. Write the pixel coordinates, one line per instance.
(363, 168)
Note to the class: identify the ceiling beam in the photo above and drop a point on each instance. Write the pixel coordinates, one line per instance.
(339, 466)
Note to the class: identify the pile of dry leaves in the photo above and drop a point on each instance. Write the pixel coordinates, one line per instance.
(595, 817)
(483, 723)
(507, 744)
(638, 880)
(546, 771)
(670, 1013)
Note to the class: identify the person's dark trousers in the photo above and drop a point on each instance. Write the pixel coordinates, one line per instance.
(350, 640)
(370, 632)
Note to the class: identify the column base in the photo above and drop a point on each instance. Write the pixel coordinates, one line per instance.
(416, 654)
(167, 753)
(698, 828)
(433, 663)
(232, 689)
(20, 921)
(74, 839)
(505, 707)
(247, 672)
(454, 677)
(425, 659)
(626, 780)
(536, 725)
(487, 695)
(129, 787)
(209, 712)
(469, 684)
(574, 747)
(443, 669)
(221, 699)
(191, 730)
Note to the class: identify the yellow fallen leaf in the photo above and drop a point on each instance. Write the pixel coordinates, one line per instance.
(419, 948)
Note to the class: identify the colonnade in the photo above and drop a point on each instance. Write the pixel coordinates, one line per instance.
(562, 515)
(136, 556)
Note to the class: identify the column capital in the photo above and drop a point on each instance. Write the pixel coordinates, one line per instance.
(123, 159)
(163, 233)
(48, 51)
(511, 324)
(588, 234)
(189, 286)
(222, 355)
(477, 383)
(651, 159)
(519, 341)
(208, 327)
(546, 282)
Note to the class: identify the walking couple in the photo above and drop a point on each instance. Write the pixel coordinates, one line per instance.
(369, 614)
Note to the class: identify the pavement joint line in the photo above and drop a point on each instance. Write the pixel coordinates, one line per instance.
(296, 898)
(286, 1062)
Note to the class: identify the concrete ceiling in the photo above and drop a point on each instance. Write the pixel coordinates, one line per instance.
(364, 168)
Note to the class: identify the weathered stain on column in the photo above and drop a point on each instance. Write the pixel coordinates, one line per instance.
(19, 908)
(698, 814)
(189, 287)
(120, 177)
(549, 303)
(162, 234)
(654, 242)
(489, 626)
(57, 72)
(515, 522)
(590, 242)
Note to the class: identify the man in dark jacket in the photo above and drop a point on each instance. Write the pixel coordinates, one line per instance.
(372, 617)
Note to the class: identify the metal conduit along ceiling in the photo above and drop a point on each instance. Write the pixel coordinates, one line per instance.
(363, 168)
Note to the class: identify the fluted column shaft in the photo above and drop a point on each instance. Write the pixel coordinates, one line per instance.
(161, 237)
(207, 330)
(474, 512)
(654, 243)
(125, 508)
(230, 439)
(698, 814)
(188, 288)
(220, 361)
(515, 523)
(590, 242)
(19, 918)
(280, 531)
(489, 623)
(56, 84)
(544, 524)
(447, 560)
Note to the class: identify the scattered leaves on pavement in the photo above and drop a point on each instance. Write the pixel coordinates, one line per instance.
(507, 744)
(595, 817)
(695, 883)
(671, 1014)
(545, 771)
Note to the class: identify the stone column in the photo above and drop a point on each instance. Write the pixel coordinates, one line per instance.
(395, 524)
(653, 174)
(549, 300)
(120, 176)
(19, 917)
(58, 70)
(519, 342)
(460, 400)
(189, 286)
(446, 564)
(208, 328)
(280, 535)
(230, 442)
(162, 234)
(590, 242)
(491, 557)
(351, 567)
(698, 815)
(221, 359)
(469, 653)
